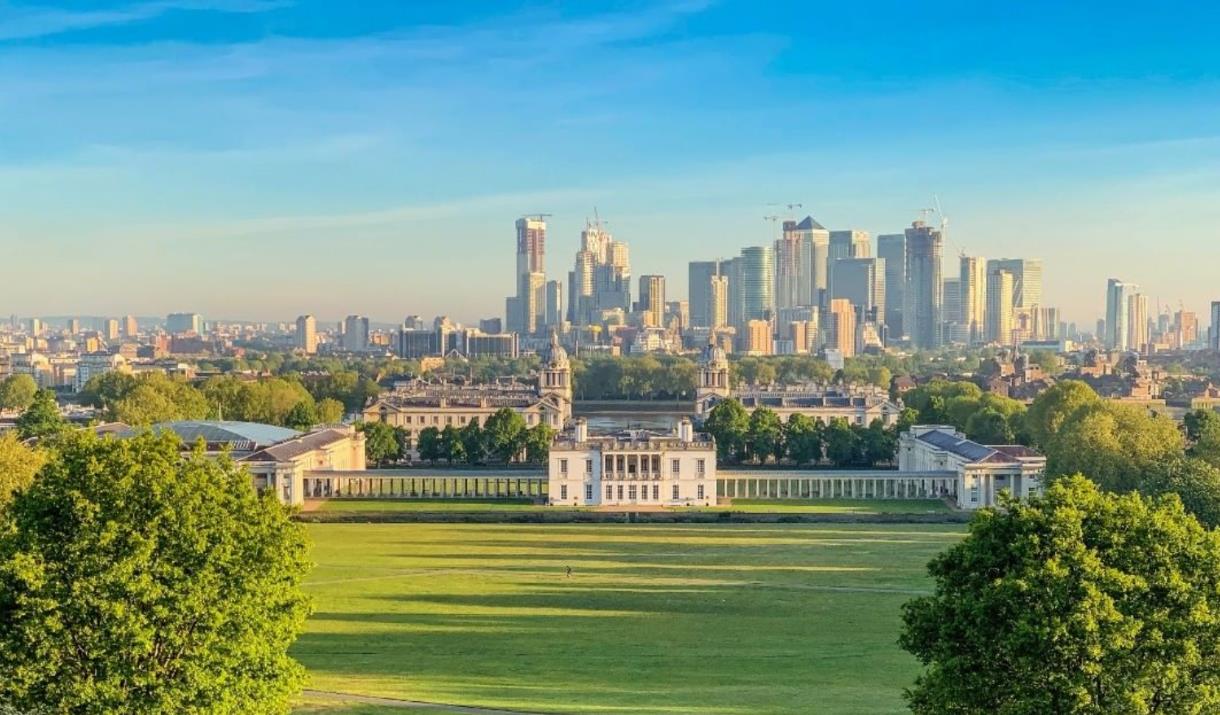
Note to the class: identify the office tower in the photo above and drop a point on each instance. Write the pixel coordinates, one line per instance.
(793, 268)
(1186, 325)
(1026, 279)
(1214, 335)
(972, 282)
(862, 282)
(1047, 325)
(179, 323)
(413, 322)
(842, 326)
(554, 304)
(601, 277)
(815, 240)
(110, 329)
(892, 248)
(1137, 322)
(491, 326)
(718, 308)
(999, 307)
(356, 333)
(952, 311)
(651, 304)
(699, 284)
(924, 297)
(732, 271)
(1118, 298)
(677, 312)
(531, 245)
(73, 326)
(527, 304)
(307, 334)
(851, 243)
(130, 327)
(758, 340)
(757, 280)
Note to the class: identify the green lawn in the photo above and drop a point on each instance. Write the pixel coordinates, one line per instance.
(373, 505)
(840, 506)
(692, 619)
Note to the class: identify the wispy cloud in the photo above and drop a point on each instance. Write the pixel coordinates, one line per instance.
(18, 22)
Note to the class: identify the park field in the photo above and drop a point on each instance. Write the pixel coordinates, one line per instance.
(691, 619)
(786, 506)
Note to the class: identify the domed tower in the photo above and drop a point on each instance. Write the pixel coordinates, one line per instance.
(713, 377)
(556, 379)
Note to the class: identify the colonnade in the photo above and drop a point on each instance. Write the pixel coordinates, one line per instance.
(332, 486)
(824, 485)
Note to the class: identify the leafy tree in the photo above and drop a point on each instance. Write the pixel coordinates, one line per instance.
(18, 465)
(538, 443)
(989, 426)
(842, 443)
(330, 411)
(729, 423)
(135, 579)
(1194, 481)
(41, 419)
(380, 442)
(430, 448)
(505, 431)
(803, 436)
(1114, 444)
(1203, 432)
(766, 435)
(1052, 408)
(147, 399)
(908, 418)
(104, 390)
(1093, 603)
(302, 416)
(17, 392)
(474, 442)
(878, 444)
(450, 444)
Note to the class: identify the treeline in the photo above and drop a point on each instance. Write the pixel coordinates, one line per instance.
(762, 437)
(982, 416)
(504, 438)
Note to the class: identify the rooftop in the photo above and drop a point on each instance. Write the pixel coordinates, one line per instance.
(952, 442)
(241, 435)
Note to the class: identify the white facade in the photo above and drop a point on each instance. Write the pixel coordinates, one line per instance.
(981, 472)
(633, 468)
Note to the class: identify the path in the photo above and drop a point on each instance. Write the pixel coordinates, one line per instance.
(408, 704)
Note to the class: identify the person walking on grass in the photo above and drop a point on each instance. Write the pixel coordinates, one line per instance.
(569, 572)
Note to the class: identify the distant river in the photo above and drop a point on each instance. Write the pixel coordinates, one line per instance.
(609, 416)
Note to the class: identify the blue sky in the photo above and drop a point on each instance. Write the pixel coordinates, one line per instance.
(262, 158)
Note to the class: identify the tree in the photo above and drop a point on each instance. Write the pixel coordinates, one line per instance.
(538, 443)
(150, 398)
(380, 442)
(842, 443)
(18, 465)
(989, 426)
(505, 431)
(1114, 444)
(766, 435)
(302, 416)
(330, 411)
(474, 442)
(1093, 603)
(803, 437)
(1053, 407)
(1194, 481)
(1203, 432)
(41, 419)
(450, 444)
(878, 444)
(430, 444)
(17, 392)
(136, 579)
(729, 424)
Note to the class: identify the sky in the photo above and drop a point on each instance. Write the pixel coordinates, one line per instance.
(259, 159)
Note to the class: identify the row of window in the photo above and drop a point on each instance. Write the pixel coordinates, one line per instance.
(530, 418)
(634, 492)
(675, 467)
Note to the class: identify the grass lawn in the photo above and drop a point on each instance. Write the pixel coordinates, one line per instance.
(372, 505)
(840, 506)
(685, 619)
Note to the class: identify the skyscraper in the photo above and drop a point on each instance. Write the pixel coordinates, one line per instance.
(757, 279)
(651, 304)
(526, 306)
(112, 329)
(851, 243)
(972, 282)
(1118, 297)
(816, 240)
(952, 331)
(307, 334)
(178, 323)
(1213, 337)
(862, 282)
(999, 306)
(130, 327)
(699, 286)
(554, 315)
(1138, 334)
(892, 247)
(1026, 279)
(356, 333)
(924, 297)
(842, 326)
(718, 309)
(793, 268)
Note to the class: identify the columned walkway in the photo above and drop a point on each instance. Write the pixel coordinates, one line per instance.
(825, 484)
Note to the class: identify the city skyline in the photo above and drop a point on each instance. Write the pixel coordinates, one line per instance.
(287, 133)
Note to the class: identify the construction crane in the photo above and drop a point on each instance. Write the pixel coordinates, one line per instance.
(773, 219)
(539, 216)
(944, 224)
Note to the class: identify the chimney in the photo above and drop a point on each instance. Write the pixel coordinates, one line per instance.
(686, 431)
(582, 430)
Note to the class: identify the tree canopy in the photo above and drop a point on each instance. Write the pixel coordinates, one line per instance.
(136, 579)
(18, 465)
(17, 392)
(1077, 603)
(41, 419)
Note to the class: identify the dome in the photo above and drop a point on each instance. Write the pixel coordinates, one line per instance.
(714, 355)
(556, 357)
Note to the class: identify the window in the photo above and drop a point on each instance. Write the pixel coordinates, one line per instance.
(631, 492)
(563, 491)
(609, 492)
(462, 419)
(449, 420)
(675, 497)
(700, 466)
(656, 492)
(588, 492)
(563, 466)
(620, 492)
(974, 491)
(675, 467)
(588, 466)
(699, 493)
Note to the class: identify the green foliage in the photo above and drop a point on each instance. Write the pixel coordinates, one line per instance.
(646, 377)
(505, 434)
(145, 399)
(451, 447)
(381, 444)
(474, 442)
(330, 411)
(803, 436)
(879, 444)
(729, 424)
(538, 443)
(1052, 408)
(1078, 603)
(18, 465)
(843, 444)
(1112, 443)
(765, 438)
(430, 444)
(269, 401)
(302, 416)
(41, 419)
(1203, 432)
(17, 392)
(136, 580)
(1194, 481)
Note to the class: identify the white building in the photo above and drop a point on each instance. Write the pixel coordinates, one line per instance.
(980, 472)
(632, 468)
(91, 365)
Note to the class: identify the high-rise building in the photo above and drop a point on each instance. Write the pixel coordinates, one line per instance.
(1118, 299)
(356, 333)
(699, 287)
(180, 323)
(972, 282)
(531, 245)
(793, 268)
(892, 247)
(757, 279)
(73, 326)
(111, 330)
(651, 305)
(554, 304)
(1213, 338)
(1138, 332)
(413, 322)
(758, 339)
(525, 309)
(307, 334)
(131, 328)
(1026, 279)
(841, 330)
(924, 298)
(862, 282)
(816, 241)
(601, 277)
(718, 310)
(999, 307)
(953, 330)
(851, 243)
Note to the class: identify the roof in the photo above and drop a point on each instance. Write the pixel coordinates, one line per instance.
(960, 446)
(253, 434)
(808, 223)
(294, 448)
